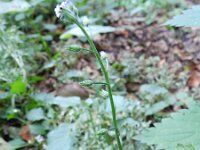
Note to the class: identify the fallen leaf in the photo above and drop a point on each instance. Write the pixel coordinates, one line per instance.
(194, 79)
(25, 133)
(73, 89)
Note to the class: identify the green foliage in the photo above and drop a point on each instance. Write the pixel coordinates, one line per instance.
(13, 6)
(152, 8)
(92, 30)
(140, 69)
(181, 128)
(180, 131)
(61, 138)
(189, 18)
(28, 63)
(157, 98)
(35, 114)
(11, 56)
(18, 87)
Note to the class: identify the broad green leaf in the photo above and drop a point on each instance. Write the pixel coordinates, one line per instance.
(13, 6)
(182, 128)
(66, 101)
(189, 18)
(170, 100)
(152, 89)
(18, 87)
(120, 102)
(17, 143)
(92, 30)
(35, 114)
(61, 138)
(45, 98)
(37, 129)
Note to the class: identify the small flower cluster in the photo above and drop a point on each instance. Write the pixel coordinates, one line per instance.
(68, 7)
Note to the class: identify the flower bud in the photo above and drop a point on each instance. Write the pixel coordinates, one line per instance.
(74, 48)
(104, 94)
(67, 11)
(103, 55)
(86, 83)
(85, 20)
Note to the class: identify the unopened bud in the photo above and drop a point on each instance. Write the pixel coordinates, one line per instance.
(104, 93)
(86, 83)
(85, 20)
(74, 48)
(103, 55)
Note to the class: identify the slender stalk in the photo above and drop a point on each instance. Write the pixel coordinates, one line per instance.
(93, 48)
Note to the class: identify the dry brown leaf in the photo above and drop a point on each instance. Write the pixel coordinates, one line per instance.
(73, 89)
(194, 79)
(25, 133)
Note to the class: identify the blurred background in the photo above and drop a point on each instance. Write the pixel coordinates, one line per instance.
(153, 69)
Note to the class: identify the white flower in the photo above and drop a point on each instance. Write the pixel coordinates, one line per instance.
(64, 5)
(39, 138)
(58, 10)
(15, 110)
(85, 20)
(103, 55)
(69, 7)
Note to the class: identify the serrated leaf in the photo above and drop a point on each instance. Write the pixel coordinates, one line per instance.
(189, 18)
(182, 128)
(61, 138)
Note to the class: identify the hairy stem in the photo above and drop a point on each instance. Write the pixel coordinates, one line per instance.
(106, 79)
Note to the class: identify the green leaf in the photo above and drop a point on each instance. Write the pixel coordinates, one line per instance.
(182, 128)
(37, 129)
(152, 89)
(185, 147)
(92, 30)
(121, 104)
(35, 114)
(18, 87)
(66, 101)
(169, 100)
(49, 99)
(86, 83)
(13, 6)
(61, 138)
(189, 18)
(17, 143)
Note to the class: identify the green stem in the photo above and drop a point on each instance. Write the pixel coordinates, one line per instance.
(101, 83)
(107, 81)
(119, 3)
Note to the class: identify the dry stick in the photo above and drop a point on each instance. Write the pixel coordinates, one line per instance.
(106, 79)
